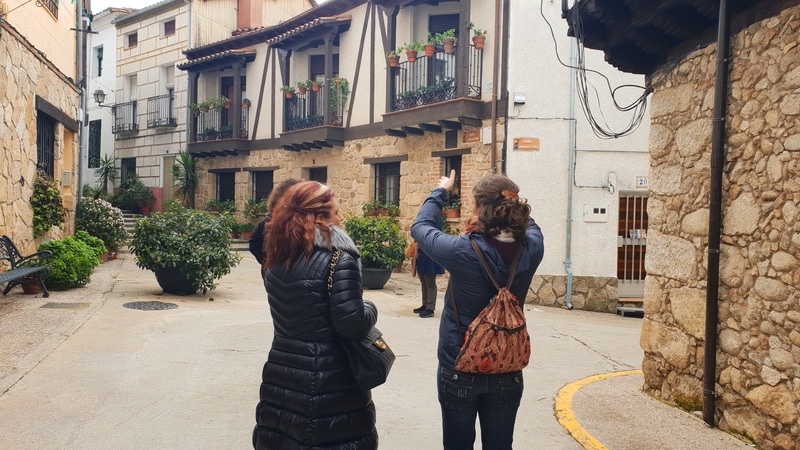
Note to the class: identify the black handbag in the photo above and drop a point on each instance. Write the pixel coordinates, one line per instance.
(370, 357)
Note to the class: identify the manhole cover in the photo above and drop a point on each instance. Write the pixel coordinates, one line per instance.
(150, 306)
(65, 305)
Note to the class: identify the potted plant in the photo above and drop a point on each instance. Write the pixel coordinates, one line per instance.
(380, 208)
(302, 86)
(225, 132)
(209, 134)
(245, 103)
(393, 56)
(412, 49)
(380, 243)
(478, 35)
(430, 45)
(315, 85)
(255, 210)
(103, 221)
(184, 173)
(448, 39)
(340, 89)
(48, 206)
(246, 230)
(73, 259)
(106, 172)
(288, 91)
(227, 206)
(452, 208)
(187, 249)
(212, 205)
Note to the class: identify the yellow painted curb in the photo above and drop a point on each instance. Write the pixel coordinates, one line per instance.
(566, 417)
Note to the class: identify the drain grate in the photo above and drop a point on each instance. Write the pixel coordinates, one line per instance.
(65, 305)
(150, 306)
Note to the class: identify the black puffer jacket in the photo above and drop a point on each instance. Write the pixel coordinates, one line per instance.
(308, 396)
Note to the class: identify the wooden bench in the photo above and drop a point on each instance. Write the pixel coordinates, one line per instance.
(24, 269)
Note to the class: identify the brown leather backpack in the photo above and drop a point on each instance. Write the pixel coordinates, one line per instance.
(497, 341)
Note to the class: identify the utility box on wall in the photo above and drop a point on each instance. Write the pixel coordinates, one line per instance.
(595, 213)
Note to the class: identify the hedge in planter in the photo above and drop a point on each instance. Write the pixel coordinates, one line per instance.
(72, 261)
(194, 243)
(379, 240)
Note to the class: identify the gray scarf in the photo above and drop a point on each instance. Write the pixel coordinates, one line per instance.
(339, 239)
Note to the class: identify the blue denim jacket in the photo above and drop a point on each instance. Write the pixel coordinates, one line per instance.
(468, 283)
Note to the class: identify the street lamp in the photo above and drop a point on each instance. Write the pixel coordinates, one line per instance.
(100, 97)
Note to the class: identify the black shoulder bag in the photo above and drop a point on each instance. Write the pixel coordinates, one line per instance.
(370, 357)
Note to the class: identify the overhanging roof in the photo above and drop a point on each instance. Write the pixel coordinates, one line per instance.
(310, 34)
(220, 60)
(638, 36)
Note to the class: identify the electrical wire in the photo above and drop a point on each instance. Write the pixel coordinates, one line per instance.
(637, 108)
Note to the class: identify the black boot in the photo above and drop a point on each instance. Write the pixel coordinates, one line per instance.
(419, 310)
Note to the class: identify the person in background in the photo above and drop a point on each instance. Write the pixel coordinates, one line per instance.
(500, 225)
(428, 270)
(256, 242)
(308, 396)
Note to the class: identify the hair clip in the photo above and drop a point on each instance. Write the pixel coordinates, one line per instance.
(508, 194)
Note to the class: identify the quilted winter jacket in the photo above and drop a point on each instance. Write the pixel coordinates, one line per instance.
(308, 396)
(469, 284)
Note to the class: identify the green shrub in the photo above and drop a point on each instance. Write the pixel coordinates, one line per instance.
(94, 243)
(193, 241)
(379, 240)
(72, 263)
(48, 207)
(101, 220)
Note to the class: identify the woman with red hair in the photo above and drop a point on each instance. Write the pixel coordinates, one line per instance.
(309, 398)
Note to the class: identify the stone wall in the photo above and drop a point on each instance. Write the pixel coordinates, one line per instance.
(588, 293)
(758, 357)
(350, 177)
(27, 74)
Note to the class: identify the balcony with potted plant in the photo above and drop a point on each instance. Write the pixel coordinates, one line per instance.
(212, 120)
(440, 88)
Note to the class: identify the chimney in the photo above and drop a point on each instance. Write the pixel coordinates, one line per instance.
(249, 13)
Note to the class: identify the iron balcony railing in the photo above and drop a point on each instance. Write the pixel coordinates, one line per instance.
(125, 117)
(307, 110)
(216, 124)
(433, 79)
(161, 111)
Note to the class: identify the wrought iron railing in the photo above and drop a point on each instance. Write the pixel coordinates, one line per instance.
(216, 124)
(433, 79)
(307, 110)
(125, 117)
(161, 111)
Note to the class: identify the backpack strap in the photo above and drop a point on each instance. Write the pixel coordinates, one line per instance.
(511, 272)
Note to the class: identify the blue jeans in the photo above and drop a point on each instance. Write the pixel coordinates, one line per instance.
(493, 398)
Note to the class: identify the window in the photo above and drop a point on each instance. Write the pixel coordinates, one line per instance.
(133, 39)
(318, 174)
(127, 169)
(262, 184)
(94, 143)
(169, 27)
(442, 22)
(98, 57)
(45, 142)
(317, 67)
(133, 83)
(225, 186)
(51, 5)
(454, 163)
(387, 183)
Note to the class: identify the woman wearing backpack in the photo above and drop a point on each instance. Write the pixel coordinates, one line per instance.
(501, 228)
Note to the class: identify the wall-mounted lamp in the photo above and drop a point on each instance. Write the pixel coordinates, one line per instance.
(100, 97)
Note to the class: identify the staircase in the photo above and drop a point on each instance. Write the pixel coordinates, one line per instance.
(129, 219)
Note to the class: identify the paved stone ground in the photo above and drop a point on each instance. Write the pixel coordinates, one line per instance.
(100, 375)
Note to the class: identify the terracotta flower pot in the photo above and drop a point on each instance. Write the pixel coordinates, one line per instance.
(31, 288)
(315, 86)
(451, 213)
(411, 55)
(430, 50)
(479, 41)
(288, 94)
(394, 60)
(302, 90)
(449, 45)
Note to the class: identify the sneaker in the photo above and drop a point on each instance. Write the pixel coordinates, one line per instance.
(426, 313)
(419, 310)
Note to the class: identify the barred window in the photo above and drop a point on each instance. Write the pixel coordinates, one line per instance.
(94, 143)
(45, 142)
(262, 184)
(387, 183)
(318, 174)
(225, 186)
(51, 5)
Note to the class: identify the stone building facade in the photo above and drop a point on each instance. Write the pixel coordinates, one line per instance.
(758, 357)
(32, 85)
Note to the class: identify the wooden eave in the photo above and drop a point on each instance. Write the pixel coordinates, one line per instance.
(451, 114)
(313, 138)
(224, 147)
(219, 61)
(311, 34)
(638, 36)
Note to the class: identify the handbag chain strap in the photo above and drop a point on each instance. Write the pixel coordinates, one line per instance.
(334, 260)
(485, 266)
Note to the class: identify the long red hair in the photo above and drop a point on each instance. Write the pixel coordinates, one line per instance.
(292, 229)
